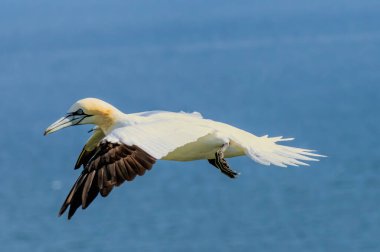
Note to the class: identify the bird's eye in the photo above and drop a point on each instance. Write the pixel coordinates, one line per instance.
(79, 112)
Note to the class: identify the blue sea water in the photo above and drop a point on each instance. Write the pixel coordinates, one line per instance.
(303, 69)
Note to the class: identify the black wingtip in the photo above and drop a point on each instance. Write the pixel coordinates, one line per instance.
(62, 210)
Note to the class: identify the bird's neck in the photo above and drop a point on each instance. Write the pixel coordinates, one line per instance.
(111, 120)
(116, 120)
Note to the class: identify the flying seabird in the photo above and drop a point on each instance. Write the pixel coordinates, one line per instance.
(125, 145)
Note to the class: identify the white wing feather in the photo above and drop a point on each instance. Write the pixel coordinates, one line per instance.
(160, 137)
(165, 114)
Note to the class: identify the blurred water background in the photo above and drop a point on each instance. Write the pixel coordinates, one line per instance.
(303, 69)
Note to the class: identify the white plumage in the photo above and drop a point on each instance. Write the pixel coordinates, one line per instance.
(185, 137)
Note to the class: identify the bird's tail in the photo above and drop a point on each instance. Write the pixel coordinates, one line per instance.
(266, 150)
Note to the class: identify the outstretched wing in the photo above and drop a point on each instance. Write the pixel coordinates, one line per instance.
(110, 165)
(160, 137)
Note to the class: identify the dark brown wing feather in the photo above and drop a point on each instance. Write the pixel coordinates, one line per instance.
(84, 157)
(108, 165)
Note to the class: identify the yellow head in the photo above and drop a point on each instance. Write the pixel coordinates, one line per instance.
(87, 111)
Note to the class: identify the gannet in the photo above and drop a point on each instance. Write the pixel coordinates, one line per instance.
(125, 145)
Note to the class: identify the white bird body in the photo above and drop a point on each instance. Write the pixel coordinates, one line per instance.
(125, 144)
(175, 136)
(204, 148)
(188, 136)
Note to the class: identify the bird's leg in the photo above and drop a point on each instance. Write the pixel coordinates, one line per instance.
(220, 163)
